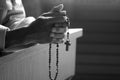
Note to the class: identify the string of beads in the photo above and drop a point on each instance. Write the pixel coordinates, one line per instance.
(57, 61)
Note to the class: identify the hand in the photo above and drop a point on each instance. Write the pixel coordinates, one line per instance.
(50, 26)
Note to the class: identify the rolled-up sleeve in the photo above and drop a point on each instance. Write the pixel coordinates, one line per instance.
(14, 19)
(3, 30)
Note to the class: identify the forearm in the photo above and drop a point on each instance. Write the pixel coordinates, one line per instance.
(16, 39)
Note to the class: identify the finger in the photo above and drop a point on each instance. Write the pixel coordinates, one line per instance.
(58, 8)
(59, 30)
(54, 20)
(57, 35)
(55, 41)
(61, 25)
(55, 14)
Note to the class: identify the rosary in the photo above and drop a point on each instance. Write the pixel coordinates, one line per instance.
(67, 43)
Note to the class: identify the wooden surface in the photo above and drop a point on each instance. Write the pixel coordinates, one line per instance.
(32, 63)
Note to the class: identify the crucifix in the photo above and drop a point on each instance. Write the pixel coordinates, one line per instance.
(67, 43)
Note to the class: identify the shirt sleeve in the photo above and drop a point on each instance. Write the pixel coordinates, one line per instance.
(15, 18)
(15, 14)
(3, 30)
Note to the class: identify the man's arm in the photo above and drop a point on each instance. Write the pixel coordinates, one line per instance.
(42, 30)
(16, 20)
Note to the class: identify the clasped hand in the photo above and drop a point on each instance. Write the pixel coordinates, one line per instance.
(50, 26)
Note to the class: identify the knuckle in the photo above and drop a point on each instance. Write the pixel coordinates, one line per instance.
(52, 34)
(64, 12)
(62, 35)
(57, 35)
(57, 40)
(65, 18)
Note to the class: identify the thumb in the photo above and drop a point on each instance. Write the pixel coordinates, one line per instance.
(58, 8)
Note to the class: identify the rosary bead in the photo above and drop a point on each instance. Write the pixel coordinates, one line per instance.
(57, 61)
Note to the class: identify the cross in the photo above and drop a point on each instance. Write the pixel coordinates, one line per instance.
(67, 43)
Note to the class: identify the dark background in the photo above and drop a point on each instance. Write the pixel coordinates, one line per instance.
(98, 51)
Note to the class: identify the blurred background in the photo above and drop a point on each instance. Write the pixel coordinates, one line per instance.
(98, 51)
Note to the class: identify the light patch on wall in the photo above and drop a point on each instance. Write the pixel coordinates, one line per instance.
(98, 2)
(62, 1)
